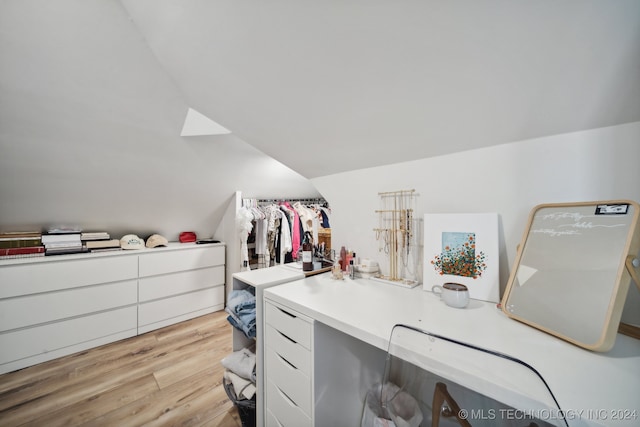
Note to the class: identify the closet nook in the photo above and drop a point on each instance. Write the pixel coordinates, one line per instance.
(272, 230)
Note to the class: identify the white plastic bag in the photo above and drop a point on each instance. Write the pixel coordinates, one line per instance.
(389, 407)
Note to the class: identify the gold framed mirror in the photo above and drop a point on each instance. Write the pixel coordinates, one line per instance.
(574, 269)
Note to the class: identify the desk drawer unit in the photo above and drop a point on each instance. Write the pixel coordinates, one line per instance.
(282, 410)
(294, 326)
(292, 352)
(288, 367)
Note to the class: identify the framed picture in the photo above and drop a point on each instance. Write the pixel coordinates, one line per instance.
(463, 248)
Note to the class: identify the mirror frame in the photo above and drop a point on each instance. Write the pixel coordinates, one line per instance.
(626, 276)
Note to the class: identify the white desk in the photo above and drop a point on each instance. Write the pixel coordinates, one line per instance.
(601, 385)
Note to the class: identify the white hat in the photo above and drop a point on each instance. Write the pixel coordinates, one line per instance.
(131, 241)
(156, 240)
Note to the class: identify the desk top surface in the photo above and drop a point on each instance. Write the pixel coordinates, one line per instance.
(605, 384)
(267, 277)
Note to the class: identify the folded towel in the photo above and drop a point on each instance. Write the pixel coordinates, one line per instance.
(241, 363)
(244, 389)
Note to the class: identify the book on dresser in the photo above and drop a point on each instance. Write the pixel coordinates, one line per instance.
(62, 243)
(65, 250)
(25, 252)
(94, 235)
(20, 239)
(96, 245)
(49, 239)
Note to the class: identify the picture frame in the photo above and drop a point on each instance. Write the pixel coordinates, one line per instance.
(463, 248)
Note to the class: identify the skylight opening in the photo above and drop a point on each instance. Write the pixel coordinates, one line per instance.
(197, 124)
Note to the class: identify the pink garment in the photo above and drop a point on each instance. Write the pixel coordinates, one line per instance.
(295, 231)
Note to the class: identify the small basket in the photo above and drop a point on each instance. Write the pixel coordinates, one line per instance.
(246, 407)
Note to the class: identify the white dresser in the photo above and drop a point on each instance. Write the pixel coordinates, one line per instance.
(58, 305)
(178, 285)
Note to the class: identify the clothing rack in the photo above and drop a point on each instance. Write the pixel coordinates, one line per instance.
(254, 203)
(302, 215)
(307, 201)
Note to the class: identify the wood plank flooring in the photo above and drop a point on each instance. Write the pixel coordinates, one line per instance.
(168, 377)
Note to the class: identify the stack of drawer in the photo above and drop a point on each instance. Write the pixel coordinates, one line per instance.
(179, 285)
(56, 306)
(288, 367)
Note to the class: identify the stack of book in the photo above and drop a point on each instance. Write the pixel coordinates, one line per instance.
(99, 241)
(21, 244)
(62, 241)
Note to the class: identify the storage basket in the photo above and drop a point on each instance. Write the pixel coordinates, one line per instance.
(246, 408)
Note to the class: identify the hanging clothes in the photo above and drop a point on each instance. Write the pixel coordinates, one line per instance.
(295, 229)
(243, 228)
(306, 216)
(278, 227)
(309, 220)
(324, 212)
(261, 228)
(273, 221)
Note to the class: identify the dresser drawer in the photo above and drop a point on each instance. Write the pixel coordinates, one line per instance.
(51, 306)
(196, 257)
(45, 276)
(156, 287)
(272, 421)
(26, 342)
(294, 326)
(287, 413)
(289, 379)
(292, 352)
(180, 306)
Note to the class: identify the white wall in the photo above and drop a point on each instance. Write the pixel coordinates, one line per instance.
(90, 131)
(600, 164)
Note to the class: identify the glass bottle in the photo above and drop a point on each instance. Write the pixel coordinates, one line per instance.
(307, 253)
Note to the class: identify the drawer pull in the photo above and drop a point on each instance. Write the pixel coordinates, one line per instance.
(287, 362)
(286, 398)
(285, 336)
(287, 313)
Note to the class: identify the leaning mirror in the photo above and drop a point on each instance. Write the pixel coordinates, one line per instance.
(573, 270)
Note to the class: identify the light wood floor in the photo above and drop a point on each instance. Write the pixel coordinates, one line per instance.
(168, 377)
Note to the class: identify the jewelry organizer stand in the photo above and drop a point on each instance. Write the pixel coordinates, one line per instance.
(396, 235)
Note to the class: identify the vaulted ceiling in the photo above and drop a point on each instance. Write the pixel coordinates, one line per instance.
(93, 95)
(326, 86)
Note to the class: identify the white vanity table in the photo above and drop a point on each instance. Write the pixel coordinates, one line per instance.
(351, 321)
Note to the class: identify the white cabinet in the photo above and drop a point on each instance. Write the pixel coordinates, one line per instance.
(55, 307)
(179, 285)
(58, 305)
(257, 281)
(288, 361)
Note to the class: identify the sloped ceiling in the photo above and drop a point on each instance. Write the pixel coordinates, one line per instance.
(336, 85)
(90, 131)
(93, 94)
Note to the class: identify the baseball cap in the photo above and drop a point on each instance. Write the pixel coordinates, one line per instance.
(187, 237)
(131, 241)
(156, 240)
